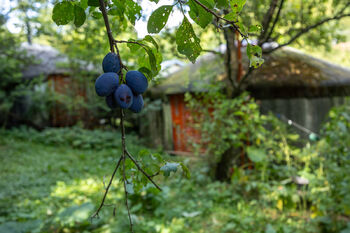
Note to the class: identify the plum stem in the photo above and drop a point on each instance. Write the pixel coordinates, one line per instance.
(113, 44)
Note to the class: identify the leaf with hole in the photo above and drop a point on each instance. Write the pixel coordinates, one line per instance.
(187, 42)
(158, 19)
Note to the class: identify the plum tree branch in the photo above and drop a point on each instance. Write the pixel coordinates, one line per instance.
(267, 19)
(114, 44)
(218, 17)
(270, 30)
(307, 29)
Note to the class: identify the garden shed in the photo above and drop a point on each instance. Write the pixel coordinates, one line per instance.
(290, 83)
(51, 65)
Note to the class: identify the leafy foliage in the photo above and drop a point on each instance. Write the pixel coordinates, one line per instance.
(53, 187)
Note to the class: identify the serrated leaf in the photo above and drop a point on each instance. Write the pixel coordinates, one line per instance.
(151, 40)
(93, 3)
(169, 167)
(79, 16)
(132, 11)
(198, 14)
(63, 13)
(158, 19)
(187, 42)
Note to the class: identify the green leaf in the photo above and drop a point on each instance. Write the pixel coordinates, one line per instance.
(231, 16)
(130, 188)
(237, 5)
(256, 155)
(146, 72)
(158, 19)
(254, 53)
(152, 60)
(222, 3)
(79, 16)
(63, 13)
(199, 15)
(185, 170)
(156, 1)
(255, 28)
(93, 3)
(187, 41)
(132, 11)
(169, 167)
(96, 15)
(83, 4)
(151, 40)
(133, 47)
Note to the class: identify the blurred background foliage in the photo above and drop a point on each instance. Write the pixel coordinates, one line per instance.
(51, 179)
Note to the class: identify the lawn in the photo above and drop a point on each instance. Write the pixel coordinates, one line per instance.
(54, 185)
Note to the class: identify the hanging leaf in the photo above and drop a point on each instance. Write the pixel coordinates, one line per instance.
(79, 16)
(158, 19)
(198, 14)
(63, 13)
(187, 42)
(151, 40)
(168, 168)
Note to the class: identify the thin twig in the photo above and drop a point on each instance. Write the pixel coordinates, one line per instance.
(126, 193)
(109, 185)
(140, 169)
(305, 30)
(218, 17)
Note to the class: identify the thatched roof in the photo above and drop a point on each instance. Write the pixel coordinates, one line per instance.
(46, 61)
(285, 73)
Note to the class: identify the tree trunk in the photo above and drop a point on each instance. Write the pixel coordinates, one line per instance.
(223, 170)
(234, 70)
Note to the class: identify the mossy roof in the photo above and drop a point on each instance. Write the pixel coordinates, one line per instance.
(286, 69)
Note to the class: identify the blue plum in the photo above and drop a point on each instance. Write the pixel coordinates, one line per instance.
(111, 102)
(111, 63)
(137, 104)
(123, 95)
(106, 84)
(136, 81)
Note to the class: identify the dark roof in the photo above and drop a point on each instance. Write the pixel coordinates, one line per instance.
(46, 61)
(285, 73)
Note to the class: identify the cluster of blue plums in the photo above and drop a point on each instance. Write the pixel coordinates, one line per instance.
(128, 95)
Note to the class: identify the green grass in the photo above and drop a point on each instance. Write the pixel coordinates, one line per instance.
(55, 188)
